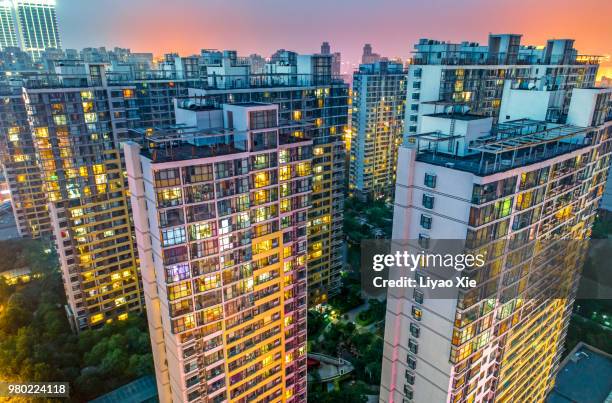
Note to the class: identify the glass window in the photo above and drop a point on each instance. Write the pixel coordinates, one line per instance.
(418, 296)
(430, 180)
(415, 330)
(425, 221)
(417, 313)
(428, 201)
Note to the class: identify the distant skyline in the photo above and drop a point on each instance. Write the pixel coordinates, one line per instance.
(391, 26)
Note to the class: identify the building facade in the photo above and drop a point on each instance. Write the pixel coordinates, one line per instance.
(20, 165)
(221, 216)
(29, 24)
(77, 122)
(379, 96)
(523, 192)
(474, 77)
(308, 97)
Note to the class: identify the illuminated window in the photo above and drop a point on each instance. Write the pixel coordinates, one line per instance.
(99, 317)
(90, 117)
(285, 173)
(60, 120)
(128, 93)
(88, 107)
(13, 134)
(41, 132)
(303, 169)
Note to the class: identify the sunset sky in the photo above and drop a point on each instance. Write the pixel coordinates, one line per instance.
(391, 26)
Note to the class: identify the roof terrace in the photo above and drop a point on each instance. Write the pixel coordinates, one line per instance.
(510, 145)
(183, 143)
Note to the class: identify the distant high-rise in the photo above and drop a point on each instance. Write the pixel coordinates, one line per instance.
(335, 60)
(368, 57)
(325, 48)
(8, 33)
(379, 95)
(29, 24)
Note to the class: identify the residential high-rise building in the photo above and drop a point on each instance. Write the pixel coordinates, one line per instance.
(336, 58)
(21, 170)
(309, 97)
(379, 96)
(469, 75)
(368, 57)
(77, 122)
(8, 30)
(29, 24)
(221, 216)
(257, 64)
(325, 48)
(524, 192)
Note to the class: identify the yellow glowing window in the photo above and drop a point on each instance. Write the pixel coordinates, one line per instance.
(267, 361)
(298, 134)
(123, 316)
(285, 173)
(119, 301)
(86, 95)
(99, 317)
(128, 93)
(21, 178)
(77, 212)
(303, 169)
(83, 171)
(318, 151)
(297, 115)
(20, 158)
(41, 132)
(98, 169)
(262, 179)
(88, 106)
(287, 251)
(285, 206)
(115, 276)
(318, 121)
(13, 134)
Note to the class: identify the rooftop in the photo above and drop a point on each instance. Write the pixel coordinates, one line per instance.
(456, 116)
(183, 143)
(585, 376)
(510, 145)
(142, 390)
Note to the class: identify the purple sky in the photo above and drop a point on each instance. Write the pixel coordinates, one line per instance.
(392, 26)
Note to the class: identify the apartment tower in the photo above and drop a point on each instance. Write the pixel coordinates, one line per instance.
(21, 169)
(525, 193)
(221, 216)
(316, 104)
(77, 122)
(29, 24)
(379, 96)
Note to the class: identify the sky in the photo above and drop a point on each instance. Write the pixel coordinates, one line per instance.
(391, 26)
